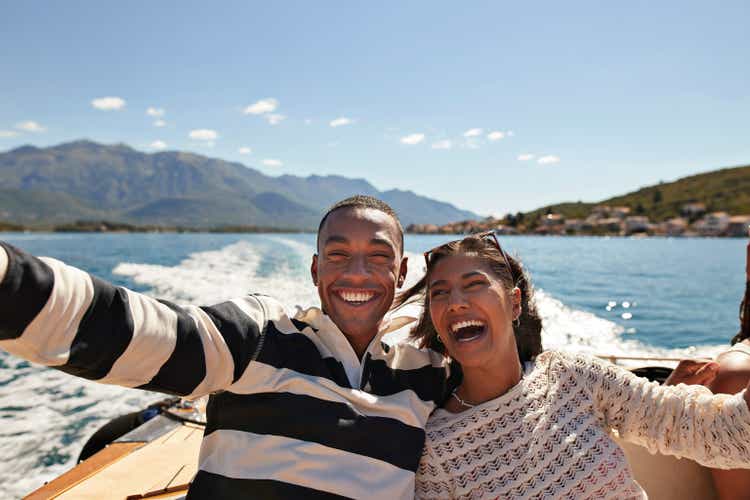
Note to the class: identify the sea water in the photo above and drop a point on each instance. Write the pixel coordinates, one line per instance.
(663, 297)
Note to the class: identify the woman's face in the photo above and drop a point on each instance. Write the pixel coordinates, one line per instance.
(472, 311)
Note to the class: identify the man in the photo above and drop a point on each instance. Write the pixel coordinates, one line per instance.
(314, 406)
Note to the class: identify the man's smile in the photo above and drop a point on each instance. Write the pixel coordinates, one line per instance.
(355, 296)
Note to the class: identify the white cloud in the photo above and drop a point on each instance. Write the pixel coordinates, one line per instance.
(275, 119)
(525, 157)
(245, 150)
(8, 133)
(445, 144)
(203, 134)
(546, 160)
(338, 122)
(510, 133)
(262, 107)
(108, 103)
(30, 126)
(158, 145)
(495, 135)
(308, 121)
(160, 123)
(272, 162)
(412, 139)
(155, 112)
(473, 132)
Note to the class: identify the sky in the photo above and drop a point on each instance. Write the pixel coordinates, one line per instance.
(495, 106)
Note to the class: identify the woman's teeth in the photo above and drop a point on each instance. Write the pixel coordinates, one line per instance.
(466, 331)
(463, 324)
(356, 297)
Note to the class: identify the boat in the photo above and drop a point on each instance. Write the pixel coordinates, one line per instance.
(159, 457)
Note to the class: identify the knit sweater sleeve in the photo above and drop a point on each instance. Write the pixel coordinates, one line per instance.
(432, 481)
(686, 421)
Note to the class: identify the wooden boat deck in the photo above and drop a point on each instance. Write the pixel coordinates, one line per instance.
(161, 468)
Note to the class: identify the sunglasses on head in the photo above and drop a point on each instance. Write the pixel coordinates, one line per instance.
(489, 235)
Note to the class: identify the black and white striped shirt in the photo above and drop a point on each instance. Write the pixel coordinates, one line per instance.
(293, 412)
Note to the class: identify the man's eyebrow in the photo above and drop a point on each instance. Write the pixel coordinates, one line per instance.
(382, 242)
(336, 239)
(438, 283)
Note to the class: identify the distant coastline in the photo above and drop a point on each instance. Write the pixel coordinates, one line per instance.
(603, 220)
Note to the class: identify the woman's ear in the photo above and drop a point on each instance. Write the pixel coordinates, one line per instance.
(516, 296)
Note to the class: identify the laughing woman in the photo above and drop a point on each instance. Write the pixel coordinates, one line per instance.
(521, 426)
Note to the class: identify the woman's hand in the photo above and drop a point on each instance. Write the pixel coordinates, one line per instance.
(693, 372)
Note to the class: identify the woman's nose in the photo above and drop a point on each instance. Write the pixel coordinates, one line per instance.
(457, 300)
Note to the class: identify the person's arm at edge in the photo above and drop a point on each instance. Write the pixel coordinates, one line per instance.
(3, 263)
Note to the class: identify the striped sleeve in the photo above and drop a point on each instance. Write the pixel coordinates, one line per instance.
(60, 316)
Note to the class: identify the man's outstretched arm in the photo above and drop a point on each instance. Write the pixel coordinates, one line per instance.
(60, 316)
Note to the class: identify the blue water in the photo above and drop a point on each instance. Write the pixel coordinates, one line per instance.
(669, 297)
(682, 292)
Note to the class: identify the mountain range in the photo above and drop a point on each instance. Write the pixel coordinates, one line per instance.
(85, 180)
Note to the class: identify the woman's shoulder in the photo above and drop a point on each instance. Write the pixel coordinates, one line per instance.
(558, 359)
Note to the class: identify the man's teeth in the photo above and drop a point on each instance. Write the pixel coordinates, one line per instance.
(464, 324)
(356, 296)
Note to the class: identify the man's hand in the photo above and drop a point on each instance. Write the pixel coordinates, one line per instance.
(693, 372)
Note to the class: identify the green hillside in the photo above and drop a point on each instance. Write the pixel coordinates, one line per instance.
(726, 190)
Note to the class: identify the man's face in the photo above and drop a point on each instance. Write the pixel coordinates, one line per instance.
(357, 270)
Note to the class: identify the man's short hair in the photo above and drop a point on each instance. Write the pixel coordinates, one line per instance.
(364, 201)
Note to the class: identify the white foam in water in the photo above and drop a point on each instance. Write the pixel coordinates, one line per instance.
(52, 403)
(215, 276)
(580, 331)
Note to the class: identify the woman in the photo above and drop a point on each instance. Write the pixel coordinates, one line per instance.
(507, 432)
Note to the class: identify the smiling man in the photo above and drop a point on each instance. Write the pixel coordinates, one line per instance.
(358, 266)
(310, 406)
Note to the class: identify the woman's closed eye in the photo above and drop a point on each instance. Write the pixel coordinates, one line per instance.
(475, 284)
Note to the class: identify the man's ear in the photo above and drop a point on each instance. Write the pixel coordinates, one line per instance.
(402, 272)
(314, 269)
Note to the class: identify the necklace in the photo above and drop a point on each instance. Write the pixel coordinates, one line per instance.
(466, 404)
(455, 395)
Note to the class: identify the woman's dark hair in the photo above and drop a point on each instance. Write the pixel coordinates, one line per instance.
(744, 332)
(527, 331)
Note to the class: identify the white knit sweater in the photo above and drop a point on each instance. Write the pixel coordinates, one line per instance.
(548, 436)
